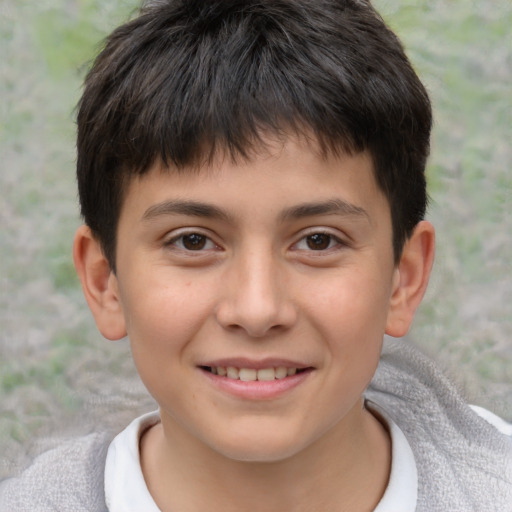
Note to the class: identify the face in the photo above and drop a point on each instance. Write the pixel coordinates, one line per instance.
(256, 296)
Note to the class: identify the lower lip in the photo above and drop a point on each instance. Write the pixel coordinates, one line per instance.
(258, 389)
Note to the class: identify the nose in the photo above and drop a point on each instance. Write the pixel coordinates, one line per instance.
(256, 298)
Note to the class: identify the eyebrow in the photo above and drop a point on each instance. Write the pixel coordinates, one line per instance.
(206, 210)
(189, 208)
(329, 207)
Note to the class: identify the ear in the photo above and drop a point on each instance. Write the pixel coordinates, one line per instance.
(99, 284)
(411, 279)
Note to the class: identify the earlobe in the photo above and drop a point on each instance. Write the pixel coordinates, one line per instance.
(99, 284)
(411, 279)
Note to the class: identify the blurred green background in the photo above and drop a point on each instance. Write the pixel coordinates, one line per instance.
(56, 373)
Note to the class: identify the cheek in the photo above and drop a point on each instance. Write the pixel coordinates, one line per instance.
(164, 315)
(351, 301)
(350, 313)
(163, 324)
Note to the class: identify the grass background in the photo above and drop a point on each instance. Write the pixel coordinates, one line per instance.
(56, 373)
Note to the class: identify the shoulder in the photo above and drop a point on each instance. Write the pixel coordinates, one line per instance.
(503, 426)
(66, 478)
(464, 461)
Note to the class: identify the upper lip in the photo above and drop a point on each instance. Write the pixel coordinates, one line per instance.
(242, 362)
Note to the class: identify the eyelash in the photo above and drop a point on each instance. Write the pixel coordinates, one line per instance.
(208, 244)
(334, 242)
(175, 243)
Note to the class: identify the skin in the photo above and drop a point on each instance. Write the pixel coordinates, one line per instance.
(286, 257)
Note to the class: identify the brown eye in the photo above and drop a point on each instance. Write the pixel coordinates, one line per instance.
(191, 244)
(194, 242)
(318, 241)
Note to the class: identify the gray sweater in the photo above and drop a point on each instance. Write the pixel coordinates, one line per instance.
(464, 464)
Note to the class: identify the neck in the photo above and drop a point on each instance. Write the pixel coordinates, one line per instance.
(346, 469)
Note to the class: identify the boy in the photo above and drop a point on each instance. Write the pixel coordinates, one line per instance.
(251, 175)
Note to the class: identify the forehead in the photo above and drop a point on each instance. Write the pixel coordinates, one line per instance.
(277, 179)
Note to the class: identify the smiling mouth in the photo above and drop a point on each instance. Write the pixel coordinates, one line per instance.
(251, 374)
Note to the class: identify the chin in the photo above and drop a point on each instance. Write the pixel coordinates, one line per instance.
(260, 449)
(259, 455)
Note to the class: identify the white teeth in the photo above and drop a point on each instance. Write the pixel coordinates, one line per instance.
(281, 372)
(266, 374)
(232, 372)
(250, 374)
(247, 374)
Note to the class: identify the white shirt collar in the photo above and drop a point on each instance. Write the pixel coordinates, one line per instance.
(402, 491)
(126, 489)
